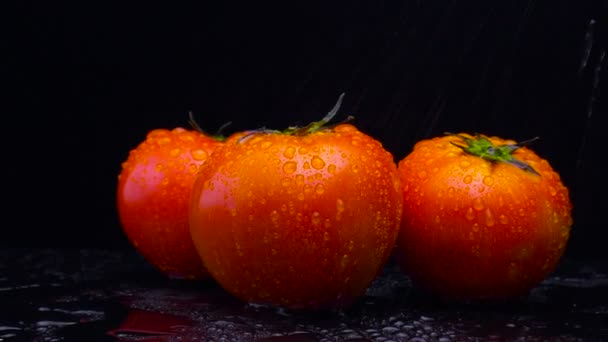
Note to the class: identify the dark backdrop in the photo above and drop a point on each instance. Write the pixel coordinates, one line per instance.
(90, 80)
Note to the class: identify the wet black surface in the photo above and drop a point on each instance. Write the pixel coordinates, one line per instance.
(97, 295)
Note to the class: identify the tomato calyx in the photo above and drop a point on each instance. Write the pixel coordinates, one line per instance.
(218, 136)
(312, 127)
(481, 146)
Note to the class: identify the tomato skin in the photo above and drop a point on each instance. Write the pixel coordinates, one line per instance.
(154, 188)
(479, 230)
(301, 222)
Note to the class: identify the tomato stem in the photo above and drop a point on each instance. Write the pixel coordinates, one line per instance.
(482, 147)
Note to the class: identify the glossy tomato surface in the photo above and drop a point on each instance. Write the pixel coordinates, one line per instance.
(154, 188)
(297, 221)
(475, 229)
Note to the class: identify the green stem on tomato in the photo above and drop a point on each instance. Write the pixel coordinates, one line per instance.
(482, 147)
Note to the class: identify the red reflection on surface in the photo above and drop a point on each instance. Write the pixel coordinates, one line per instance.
(143, 322)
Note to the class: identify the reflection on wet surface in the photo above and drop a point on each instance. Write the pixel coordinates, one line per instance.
(85, 295)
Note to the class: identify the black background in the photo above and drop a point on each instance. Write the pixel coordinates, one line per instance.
(89, 80)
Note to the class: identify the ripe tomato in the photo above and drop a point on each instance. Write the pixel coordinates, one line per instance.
(484, 218)
(154, 188)
(302, 220)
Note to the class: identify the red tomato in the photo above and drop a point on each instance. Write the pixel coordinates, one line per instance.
(484, 218)
(154, 188)
(301, 220)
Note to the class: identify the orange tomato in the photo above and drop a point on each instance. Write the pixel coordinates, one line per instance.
(153, 194)
(484, 217)
(302, 220)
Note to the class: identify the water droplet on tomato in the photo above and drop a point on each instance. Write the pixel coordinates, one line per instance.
(451, 191)
(317, 163)
(422, 174)
(351, 245)
(299, 180)
(290, 167)
(266, 144)
(503, 219)
(331, 169)
(198, 154)
(286, 182)
(306, 166)
(339, 205)
(465, 164)
(478, 204)
(165, 181)
(354, 168)
(319, 189)
(300, 196)
(315, 218)
(489, 218)
(307, 189)
(163, 140)
(488, 180)
(327, 223)
(470, 215)
(175, 152)
(303, 150)
(467, 179)
(475, 227)
(274, 217)
(289, 152)
(552, 191)
(159, 167)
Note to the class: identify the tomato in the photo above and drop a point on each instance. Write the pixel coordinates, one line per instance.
(303, 219)
(484, 218)
(154, 188)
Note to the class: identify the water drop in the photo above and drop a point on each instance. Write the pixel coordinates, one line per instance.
(354, 168)
(199, 154)
(289, 152)
(478, 204)
(465, 164)
(319, 189)
(266, 144)
(351, 245)
(307, 189)
(331, 169)
(175, 152)
(327, 224)
(488, 180)
(475, 227)
(159, 167)
(306, 165)
(317, 162)
(299, 179)
(274, 217)
(290, 167)
(165, 181)
(422, 174)
(552, 191)
(315, 218)
(467, 179)
(286, 182)
(470, 215)
(164, 141)
(339, 205)
(303, 150)
(503, 219)
(451, 191)
(489, 218)
(301, 196)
